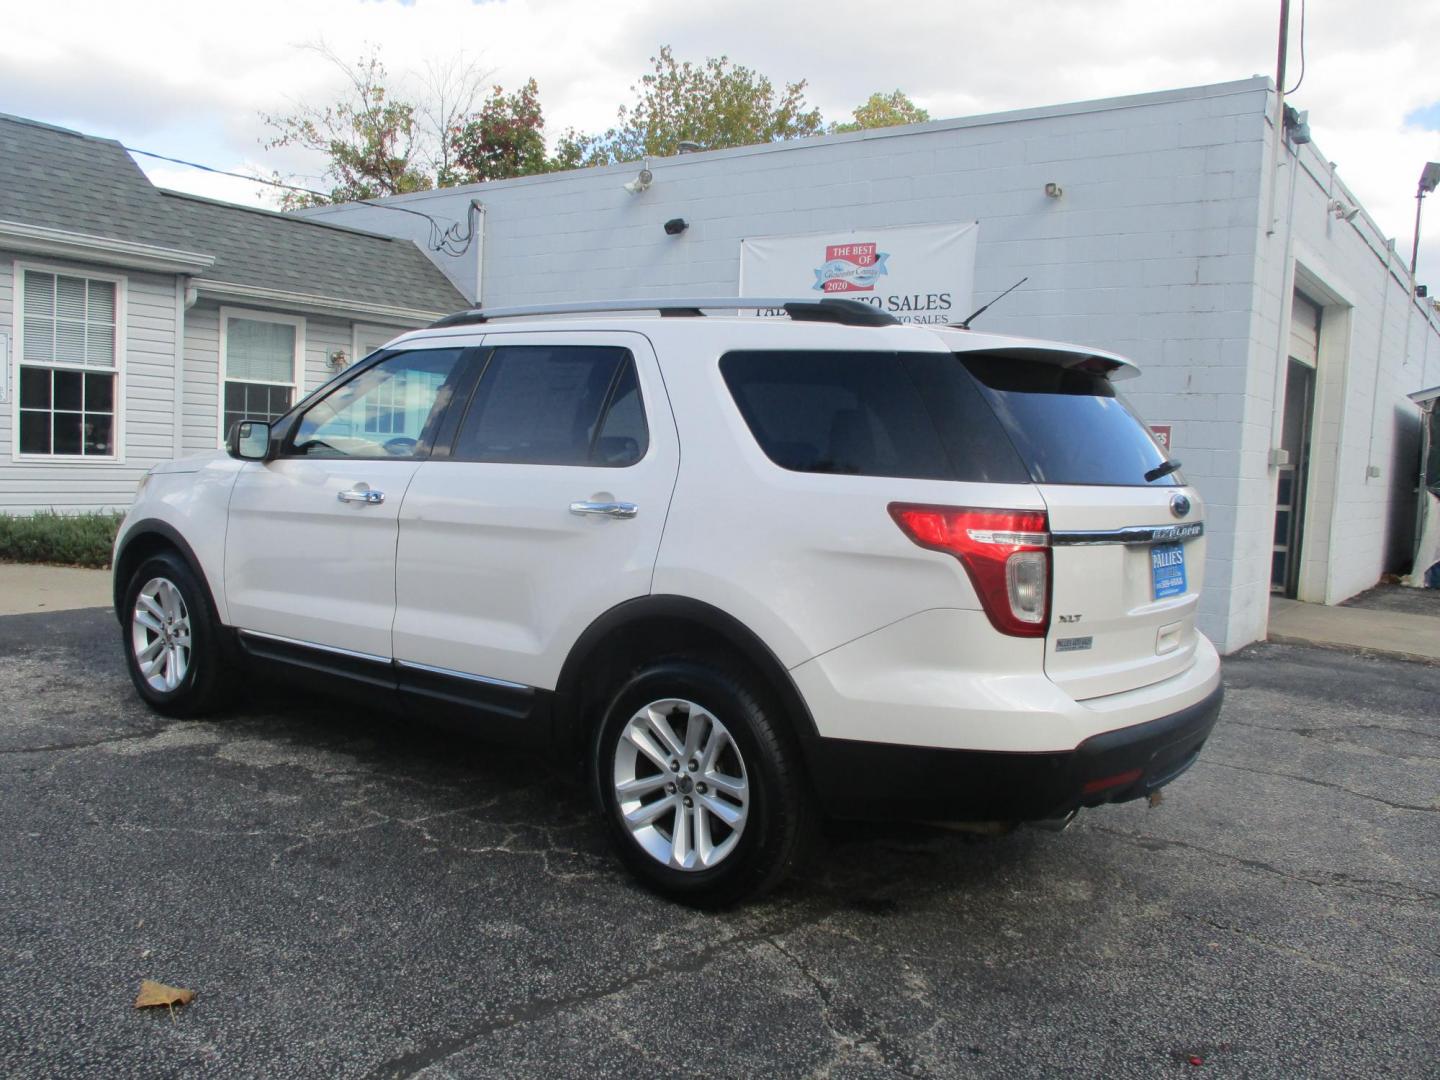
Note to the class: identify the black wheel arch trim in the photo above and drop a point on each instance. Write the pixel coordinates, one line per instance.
(746, 642)
(168, 533)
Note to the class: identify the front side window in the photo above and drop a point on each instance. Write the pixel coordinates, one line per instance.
(556, 405)
(261, 358)
(387, 411)
(68, 365)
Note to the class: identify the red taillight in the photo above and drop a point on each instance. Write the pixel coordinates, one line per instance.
(1005, 552)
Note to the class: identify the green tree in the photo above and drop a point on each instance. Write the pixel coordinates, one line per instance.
(370, 140)
(884, 110)
(716, 104)
(505, 138)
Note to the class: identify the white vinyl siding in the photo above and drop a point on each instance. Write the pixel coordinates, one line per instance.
(144, 402)
(68, 378)
(261, 362)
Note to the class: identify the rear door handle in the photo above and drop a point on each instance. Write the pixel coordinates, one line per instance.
(361, 495)
(605, 509)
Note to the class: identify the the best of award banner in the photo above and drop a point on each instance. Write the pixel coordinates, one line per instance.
(918, 273)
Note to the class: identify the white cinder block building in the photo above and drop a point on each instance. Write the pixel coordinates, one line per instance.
(1270, 321)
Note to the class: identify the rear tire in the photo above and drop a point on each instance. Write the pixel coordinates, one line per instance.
(700, 787)
(172, 638)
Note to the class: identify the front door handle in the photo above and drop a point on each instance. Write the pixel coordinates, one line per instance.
(361, 495)
(605, 509)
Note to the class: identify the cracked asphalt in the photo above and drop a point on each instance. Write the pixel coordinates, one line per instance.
(350, 898)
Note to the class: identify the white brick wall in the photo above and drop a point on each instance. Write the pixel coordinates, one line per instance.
(1157, 249)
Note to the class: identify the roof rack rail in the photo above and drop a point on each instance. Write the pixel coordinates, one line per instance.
(828, 309)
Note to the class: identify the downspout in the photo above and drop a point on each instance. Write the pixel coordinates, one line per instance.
(477, 238)
(177, 438)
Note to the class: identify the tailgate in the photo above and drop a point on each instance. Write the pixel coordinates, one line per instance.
(1127, 570)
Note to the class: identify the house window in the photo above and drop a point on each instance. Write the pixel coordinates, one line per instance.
(69, 369)
(261, 361)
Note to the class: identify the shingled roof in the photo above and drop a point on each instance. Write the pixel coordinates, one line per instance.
(277, 251)
(61, 179)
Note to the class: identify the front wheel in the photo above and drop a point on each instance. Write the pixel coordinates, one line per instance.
(700, 788)
(171, 638)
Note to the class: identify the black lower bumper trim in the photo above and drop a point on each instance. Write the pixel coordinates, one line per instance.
(885, 781)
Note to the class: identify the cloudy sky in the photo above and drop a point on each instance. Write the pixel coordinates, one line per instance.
(188, 77)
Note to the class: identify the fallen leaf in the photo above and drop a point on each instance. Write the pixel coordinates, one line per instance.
(154, 993)
(1157, 797)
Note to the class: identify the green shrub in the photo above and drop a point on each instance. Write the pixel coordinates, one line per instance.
(68, 539)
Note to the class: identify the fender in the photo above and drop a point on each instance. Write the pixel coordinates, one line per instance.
(139, 530)
(679, 609)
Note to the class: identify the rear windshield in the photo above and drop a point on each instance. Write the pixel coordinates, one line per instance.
(916, 415)
(1067, 424)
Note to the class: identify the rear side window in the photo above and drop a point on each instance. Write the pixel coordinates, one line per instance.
(1067, 424)
(555, 405)
(869, 414)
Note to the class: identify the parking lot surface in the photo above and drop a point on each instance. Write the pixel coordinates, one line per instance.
(350, 898)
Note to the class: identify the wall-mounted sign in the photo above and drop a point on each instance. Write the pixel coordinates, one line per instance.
(1162, 436)
(918, 273)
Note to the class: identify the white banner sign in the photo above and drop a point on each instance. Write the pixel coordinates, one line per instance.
(918, 273)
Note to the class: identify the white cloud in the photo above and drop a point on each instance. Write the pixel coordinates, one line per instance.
(189, 78)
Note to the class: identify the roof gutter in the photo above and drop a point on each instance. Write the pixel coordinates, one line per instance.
(62, 243)
(312, 303)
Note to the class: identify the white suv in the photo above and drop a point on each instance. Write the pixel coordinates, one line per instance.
(748, 570)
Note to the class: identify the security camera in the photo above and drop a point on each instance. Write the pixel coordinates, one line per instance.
(642, 181)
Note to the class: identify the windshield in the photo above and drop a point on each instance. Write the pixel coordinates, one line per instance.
(1068, 424)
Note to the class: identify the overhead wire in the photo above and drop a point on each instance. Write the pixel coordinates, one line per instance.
(1301, 79)
(445, 239)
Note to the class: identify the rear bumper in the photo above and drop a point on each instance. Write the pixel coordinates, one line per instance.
(869, 780)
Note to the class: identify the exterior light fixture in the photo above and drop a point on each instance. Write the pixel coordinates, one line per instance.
(643, 179)
(675, 226)
(1342, 211)
(1053, 190)
(1429, 180)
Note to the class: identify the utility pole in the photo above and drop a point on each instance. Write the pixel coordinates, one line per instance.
(1429, 180)
(1279, 135)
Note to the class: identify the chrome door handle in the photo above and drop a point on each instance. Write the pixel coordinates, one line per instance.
(605, 509)
(361, 495)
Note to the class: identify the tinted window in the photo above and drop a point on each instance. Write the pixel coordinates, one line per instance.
(1067, 423)
(977, 445)
(555, 405)
(384, 412)
(869, 414)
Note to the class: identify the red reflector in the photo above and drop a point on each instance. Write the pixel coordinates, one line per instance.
(1107, 782)
(1006, 554)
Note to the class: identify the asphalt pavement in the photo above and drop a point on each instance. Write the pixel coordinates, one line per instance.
(352, 898)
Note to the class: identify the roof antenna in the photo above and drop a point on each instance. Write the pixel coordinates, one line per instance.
(966, 324)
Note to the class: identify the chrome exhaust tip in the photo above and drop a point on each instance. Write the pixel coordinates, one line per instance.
(1058, 824)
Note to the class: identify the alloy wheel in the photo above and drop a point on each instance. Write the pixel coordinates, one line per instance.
(160, 635)
(680, 784)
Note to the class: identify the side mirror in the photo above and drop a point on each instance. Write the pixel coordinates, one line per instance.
(250, 440)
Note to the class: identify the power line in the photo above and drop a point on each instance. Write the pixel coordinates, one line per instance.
(447, 239)
(1302, 50)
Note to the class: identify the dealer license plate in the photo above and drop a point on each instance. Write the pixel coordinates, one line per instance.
(1167, 570)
